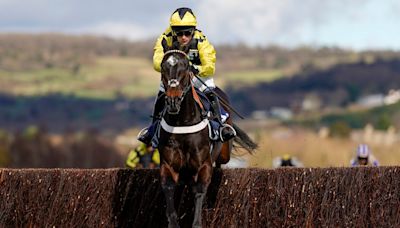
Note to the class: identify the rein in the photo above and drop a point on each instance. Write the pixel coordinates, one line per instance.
(173, 83)
(175, 51)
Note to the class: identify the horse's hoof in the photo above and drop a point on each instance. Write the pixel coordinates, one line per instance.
(196, 225)
(173, 225)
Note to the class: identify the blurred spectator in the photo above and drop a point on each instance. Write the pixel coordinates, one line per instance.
(143, 156)
(286, 161)
(364, 157)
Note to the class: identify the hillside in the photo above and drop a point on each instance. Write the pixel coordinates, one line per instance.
(96, 67)
(337, 86)
(81, 82)
(37, 51)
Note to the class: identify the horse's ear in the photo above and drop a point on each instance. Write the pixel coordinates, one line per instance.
(175, 45)
(165, 46)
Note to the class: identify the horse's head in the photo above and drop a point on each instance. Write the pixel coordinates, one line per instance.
(176, 78)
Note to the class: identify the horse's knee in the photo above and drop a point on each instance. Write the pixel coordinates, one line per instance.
(203, 178)
(166, 172)
(199, 188)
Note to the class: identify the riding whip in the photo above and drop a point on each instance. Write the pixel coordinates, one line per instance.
(220, 98)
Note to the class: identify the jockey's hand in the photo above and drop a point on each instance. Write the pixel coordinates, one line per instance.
(194, 69)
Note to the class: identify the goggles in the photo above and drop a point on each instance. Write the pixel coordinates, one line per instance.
(184, 33)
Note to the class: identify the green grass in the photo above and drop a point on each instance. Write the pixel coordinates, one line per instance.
(248, 77)
(380, 117)
(104, 79)
(107, 77)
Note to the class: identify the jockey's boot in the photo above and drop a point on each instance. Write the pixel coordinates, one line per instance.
(226, 131)
(146, 134)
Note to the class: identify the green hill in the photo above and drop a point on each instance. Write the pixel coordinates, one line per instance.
(96, 67)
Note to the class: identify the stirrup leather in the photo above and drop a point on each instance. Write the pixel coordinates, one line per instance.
(226, 126)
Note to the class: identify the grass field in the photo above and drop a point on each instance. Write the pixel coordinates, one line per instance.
(103, 79)
(314, 150)
(247, 77)
(310, 147)
(107, 77)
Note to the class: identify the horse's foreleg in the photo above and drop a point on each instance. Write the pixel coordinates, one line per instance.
(168, 186)
(200, 190)
(225, 154)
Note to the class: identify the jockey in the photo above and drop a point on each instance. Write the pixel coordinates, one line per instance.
(143, 156)
(364, 157)
(286, 161)
(181, 33)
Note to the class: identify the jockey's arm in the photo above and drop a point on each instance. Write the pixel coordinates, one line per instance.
(297, 163)
(133, 159)
(159, 49)
(207, 55)
(158, 54)
(374, 161)
(353, 162)
(156, 157)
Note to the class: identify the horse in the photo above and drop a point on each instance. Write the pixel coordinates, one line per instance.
(186, 150)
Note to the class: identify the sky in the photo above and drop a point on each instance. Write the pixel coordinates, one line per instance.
(352, 24)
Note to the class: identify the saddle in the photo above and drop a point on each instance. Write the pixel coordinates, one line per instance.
(206, 106)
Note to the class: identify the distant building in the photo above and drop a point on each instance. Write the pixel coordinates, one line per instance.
(311, 102)
(281, 113)
(375, 100)
(392, 97)
(259, 115)
(370, 101)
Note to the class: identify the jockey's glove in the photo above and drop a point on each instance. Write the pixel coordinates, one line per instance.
(194, 69)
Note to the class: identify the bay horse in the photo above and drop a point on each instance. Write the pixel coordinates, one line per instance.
(186, 150)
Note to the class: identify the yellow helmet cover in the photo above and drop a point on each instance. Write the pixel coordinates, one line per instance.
(183, 17)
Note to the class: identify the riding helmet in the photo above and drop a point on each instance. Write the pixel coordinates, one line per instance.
(183, 17)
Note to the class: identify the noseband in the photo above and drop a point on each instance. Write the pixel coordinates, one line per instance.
(175, 98)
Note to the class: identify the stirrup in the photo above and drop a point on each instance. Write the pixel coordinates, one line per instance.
(229, 127)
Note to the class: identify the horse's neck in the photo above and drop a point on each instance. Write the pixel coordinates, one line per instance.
(189, 113)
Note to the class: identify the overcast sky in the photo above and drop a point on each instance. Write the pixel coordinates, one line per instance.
(356, 24)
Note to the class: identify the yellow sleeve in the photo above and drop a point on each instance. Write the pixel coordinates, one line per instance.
(156, 157)
(141, 149)
(163, 39)
(207, 57)
(132, 160)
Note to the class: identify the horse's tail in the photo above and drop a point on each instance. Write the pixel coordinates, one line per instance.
(244, 140)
